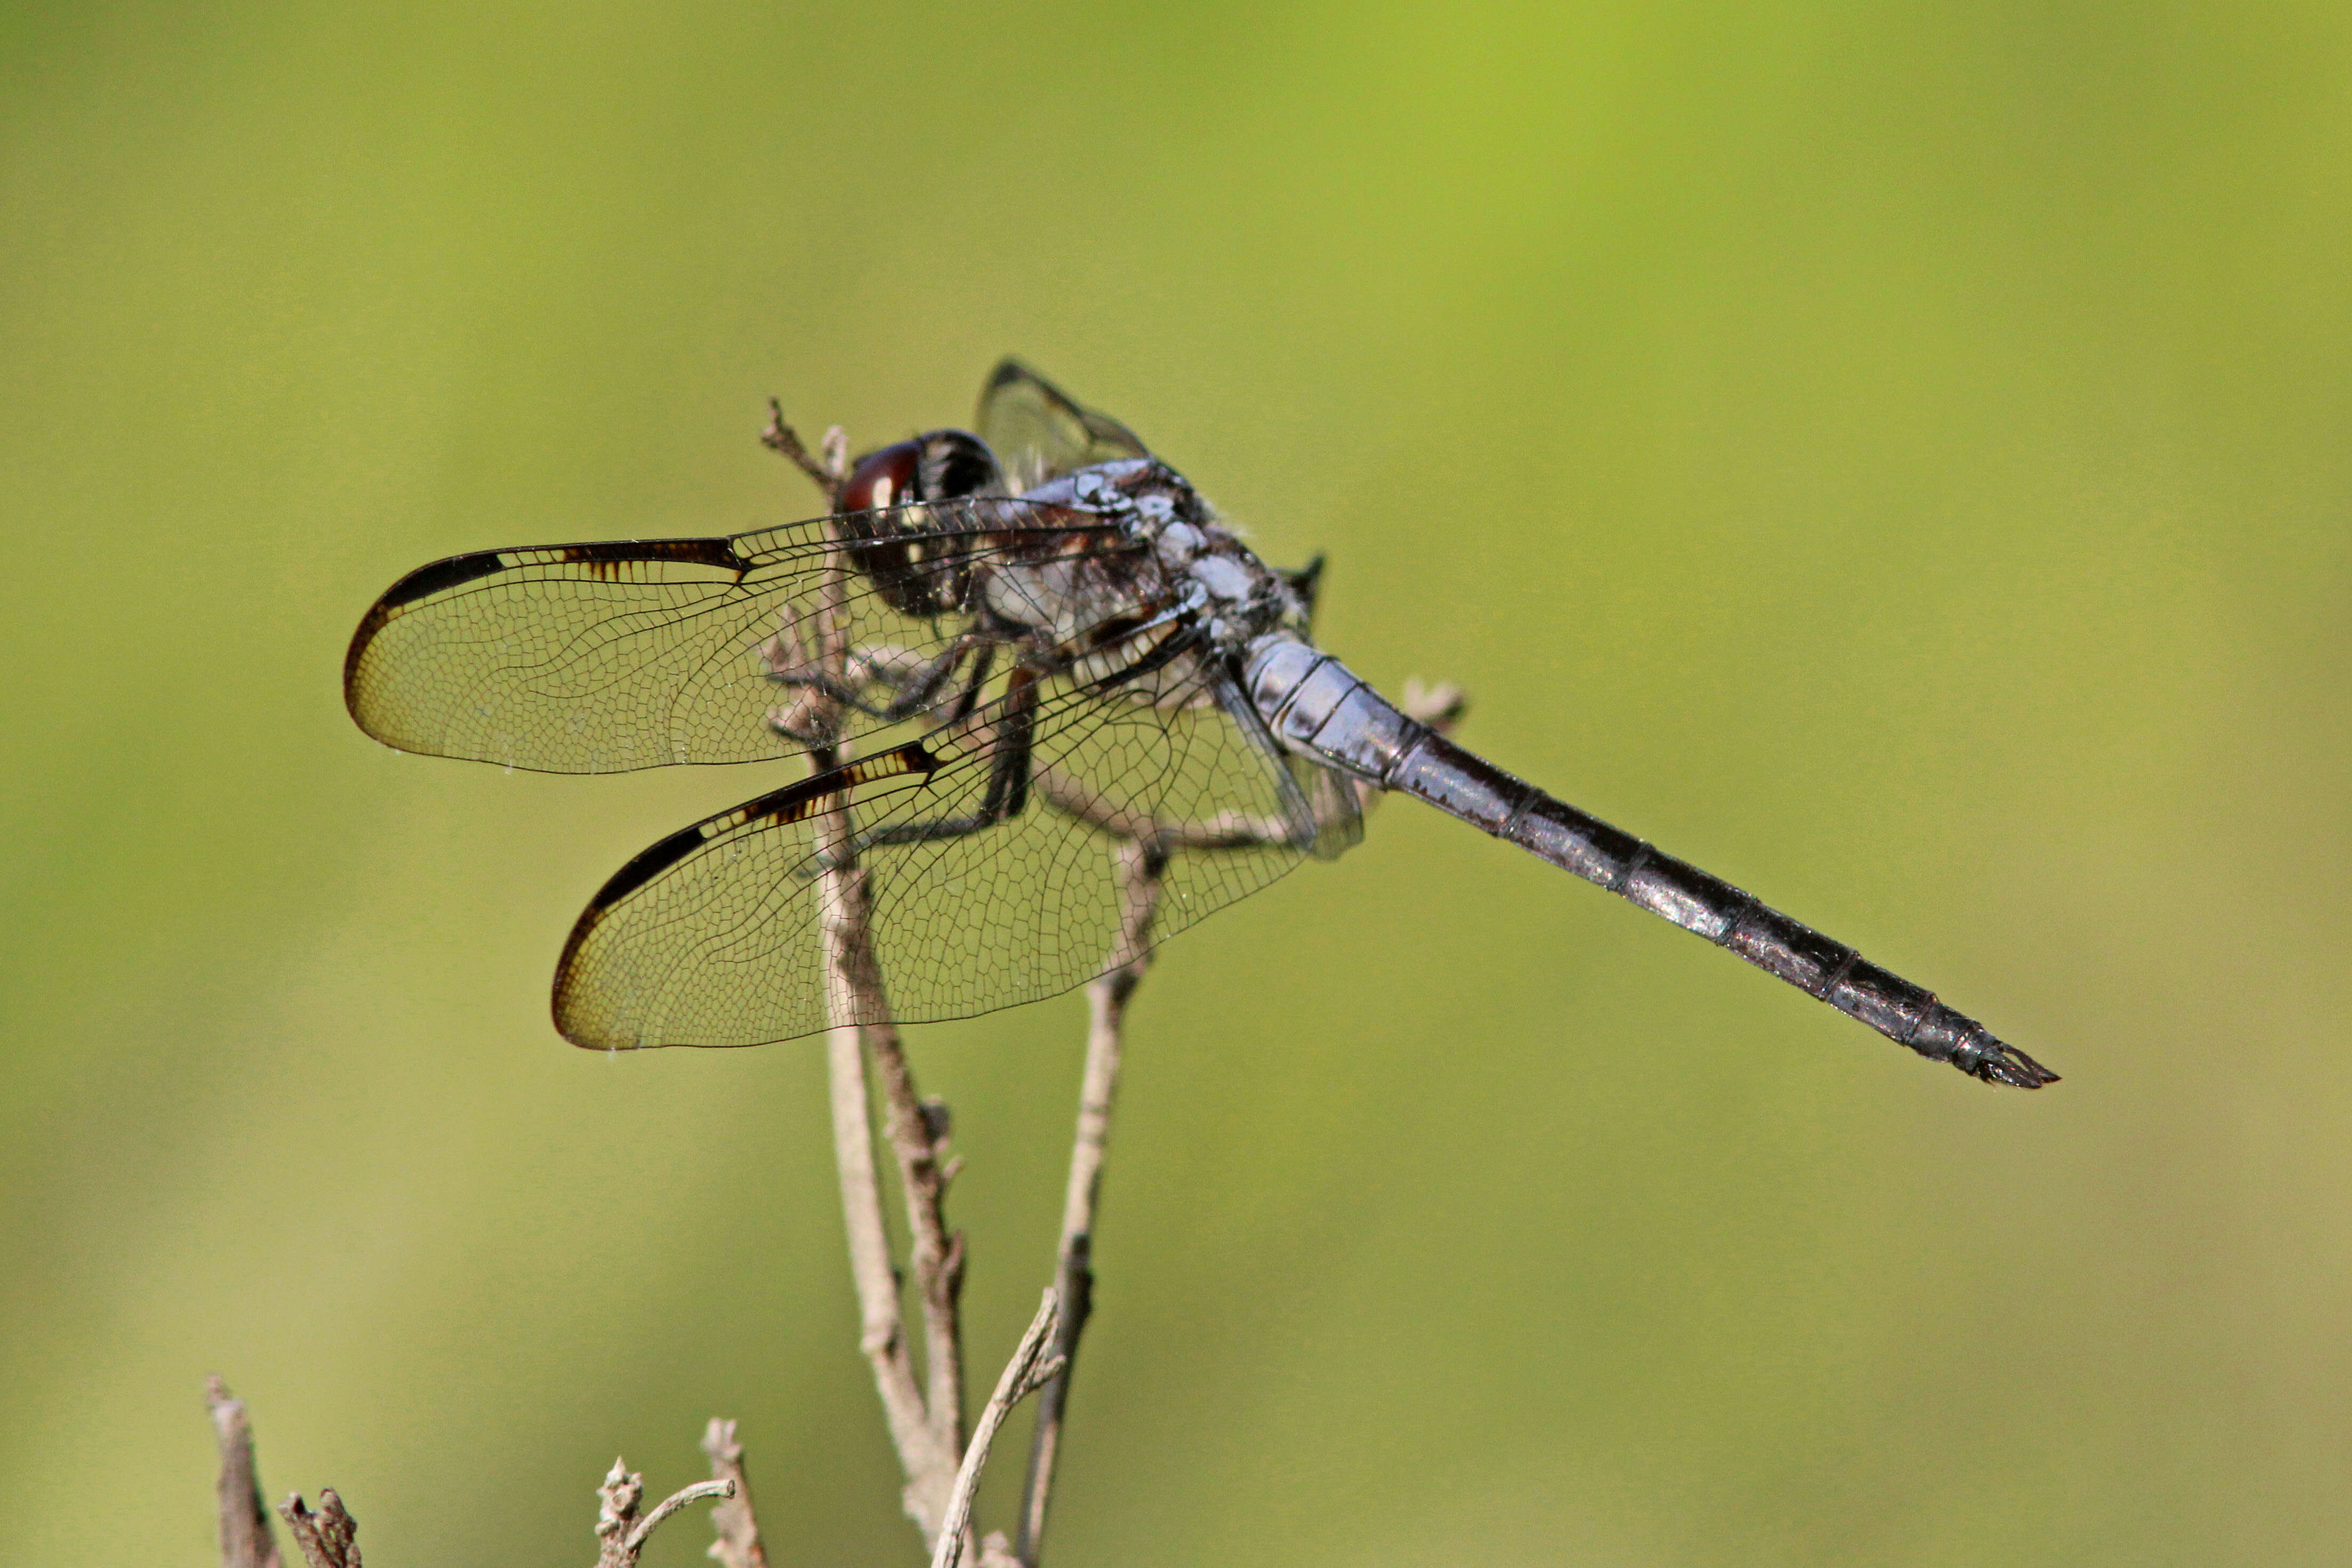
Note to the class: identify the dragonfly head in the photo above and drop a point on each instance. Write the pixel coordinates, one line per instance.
(934, 467)
(890, 538)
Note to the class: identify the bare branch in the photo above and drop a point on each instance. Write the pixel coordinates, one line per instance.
(935, 1255)
(925, 1425)
(671, 1504)
(245, 1537)
(854, 992)
(827, 473)
(926, 1418)
(1226, 831)
(1031, 1365)
(1141, 863)
(329, 1538)
(621, 1535)
(739, 1544)
(616, 1511)
(925, 1414)
(1143, 857)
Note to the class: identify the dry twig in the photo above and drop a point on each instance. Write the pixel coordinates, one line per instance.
(1142, 860)
(245, 1537)
(621, 1535)
(1030, 1366)
(917, 1129)
(925, 1417)
(329, 1538)
(826, 473)
(739, 1544)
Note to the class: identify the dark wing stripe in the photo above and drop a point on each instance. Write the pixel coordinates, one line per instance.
(724, 945)
(788, 804)
(702, 552)
(643, 867)
(776, 807)
(967, 518)
(604, 657)
(795, 801)
(437, 577)
(910, 758)
(443, 575)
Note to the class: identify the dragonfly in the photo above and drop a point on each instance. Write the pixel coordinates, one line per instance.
(1012, 654)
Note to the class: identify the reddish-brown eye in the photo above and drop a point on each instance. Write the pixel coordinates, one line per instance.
(882, 478)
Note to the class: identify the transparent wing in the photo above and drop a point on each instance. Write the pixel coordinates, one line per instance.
(1332, 803)
(714, 935)
(1038, 433)
(602, 658)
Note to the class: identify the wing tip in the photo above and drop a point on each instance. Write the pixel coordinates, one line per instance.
(433, 577)
(370, 624)
(1010, 368)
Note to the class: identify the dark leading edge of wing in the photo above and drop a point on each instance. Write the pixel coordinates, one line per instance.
(591, 1020)
(447, 575)
(608, 657)
(527, 656)
(714, 935)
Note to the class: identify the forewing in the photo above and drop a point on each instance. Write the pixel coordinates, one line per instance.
(715, 936)
(1038, 433)
(602, 658)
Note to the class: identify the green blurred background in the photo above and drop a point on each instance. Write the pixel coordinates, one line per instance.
(1895, 457)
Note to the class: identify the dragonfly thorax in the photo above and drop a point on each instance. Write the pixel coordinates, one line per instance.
(1187, 563)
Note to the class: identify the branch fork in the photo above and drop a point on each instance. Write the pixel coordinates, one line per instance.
(811, 653)
(621, 1534)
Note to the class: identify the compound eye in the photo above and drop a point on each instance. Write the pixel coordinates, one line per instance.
(956, 463)
(884, 478)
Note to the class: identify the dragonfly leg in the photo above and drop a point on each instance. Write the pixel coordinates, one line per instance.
(914, 691)
(1009, 770)
(1007, 795)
